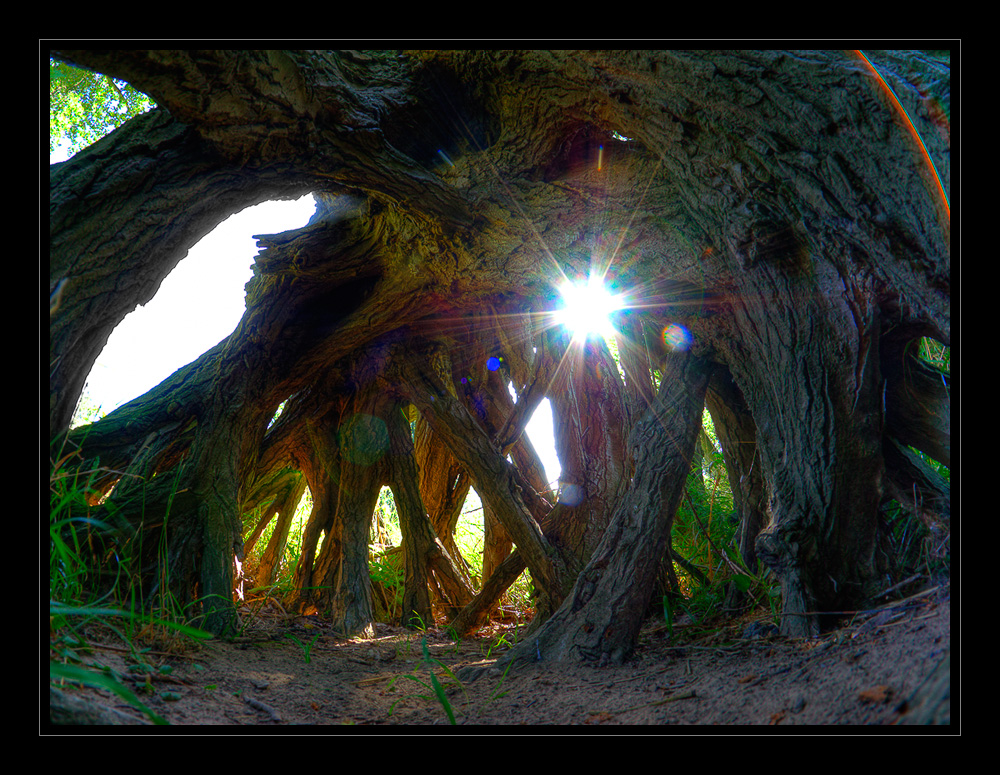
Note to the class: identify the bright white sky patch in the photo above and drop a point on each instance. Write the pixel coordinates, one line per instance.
(587, 308)
(198, 305)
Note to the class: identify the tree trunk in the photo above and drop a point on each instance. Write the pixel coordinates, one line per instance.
(589, 423)
(341, 573)
(284, 506)
(810, 375)
(737, 435)
(104, 267)
(771, 205)
(418, 535)
(426, 557)
(916, 398)
(496, 542)
(469, 443)
(444, 484)
(320, 464)
(600, 619)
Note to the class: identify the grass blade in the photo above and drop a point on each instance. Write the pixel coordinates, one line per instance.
(82, 675)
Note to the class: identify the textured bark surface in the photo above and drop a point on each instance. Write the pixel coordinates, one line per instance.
(590, 425)
(498, 485)
(601, 617)
(771, 205)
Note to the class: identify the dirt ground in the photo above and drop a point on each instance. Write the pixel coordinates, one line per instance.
(291, 670)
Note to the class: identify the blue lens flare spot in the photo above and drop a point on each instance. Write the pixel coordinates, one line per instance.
(493, 363)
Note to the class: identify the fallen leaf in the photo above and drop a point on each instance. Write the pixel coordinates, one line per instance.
(876, 694)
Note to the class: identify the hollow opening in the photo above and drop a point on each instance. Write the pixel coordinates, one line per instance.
(198, 305)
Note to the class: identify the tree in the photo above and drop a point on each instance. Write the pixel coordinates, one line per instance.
(84, 106)
(782, 242)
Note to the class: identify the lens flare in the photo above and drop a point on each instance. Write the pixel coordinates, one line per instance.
(363, 439)
(676, 337)
(572, 495)
(587, 308)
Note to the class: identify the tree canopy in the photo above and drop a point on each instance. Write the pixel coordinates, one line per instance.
(780, 239)
(84, 106)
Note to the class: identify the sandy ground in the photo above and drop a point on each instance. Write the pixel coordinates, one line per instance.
(286, 671)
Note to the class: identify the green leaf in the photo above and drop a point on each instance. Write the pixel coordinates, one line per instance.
(84, 106)
(442, 698)
(88, 677)
(743, 583)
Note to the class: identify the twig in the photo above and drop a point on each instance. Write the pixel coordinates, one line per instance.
(373, 680)
(733, 566)
(258, 705)
(143, 678)
(887, 607)
(901, 584)
(685, 695)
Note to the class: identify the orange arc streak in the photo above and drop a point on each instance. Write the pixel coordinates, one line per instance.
(913, 130)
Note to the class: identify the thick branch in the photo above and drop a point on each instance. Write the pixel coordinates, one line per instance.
(601, 617)
(467, 441)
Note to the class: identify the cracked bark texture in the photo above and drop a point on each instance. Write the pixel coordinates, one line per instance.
(773, 203)
(600, 619)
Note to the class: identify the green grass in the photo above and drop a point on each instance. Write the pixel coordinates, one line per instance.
(433, 686)
(470, 538)
(306, 647)
(81, 547)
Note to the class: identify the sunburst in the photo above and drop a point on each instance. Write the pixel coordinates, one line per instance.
(587, 308)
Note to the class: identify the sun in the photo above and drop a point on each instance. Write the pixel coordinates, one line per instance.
(587, 308)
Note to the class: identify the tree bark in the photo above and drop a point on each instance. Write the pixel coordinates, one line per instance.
(916, 398)
(444, 484)
(341, 574)
(283, 506)
(426, 556)
(737, 435)
(496, 542)
(810, 375)
(469, 444)
(772, 203)
(112, 243)
(589, 423)
(600, 619)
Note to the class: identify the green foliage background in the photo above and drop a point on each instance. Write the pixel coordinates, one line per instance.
(84, 106)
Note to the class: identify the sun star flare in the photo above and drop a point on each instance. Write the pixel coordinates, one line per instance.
(587, 308)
